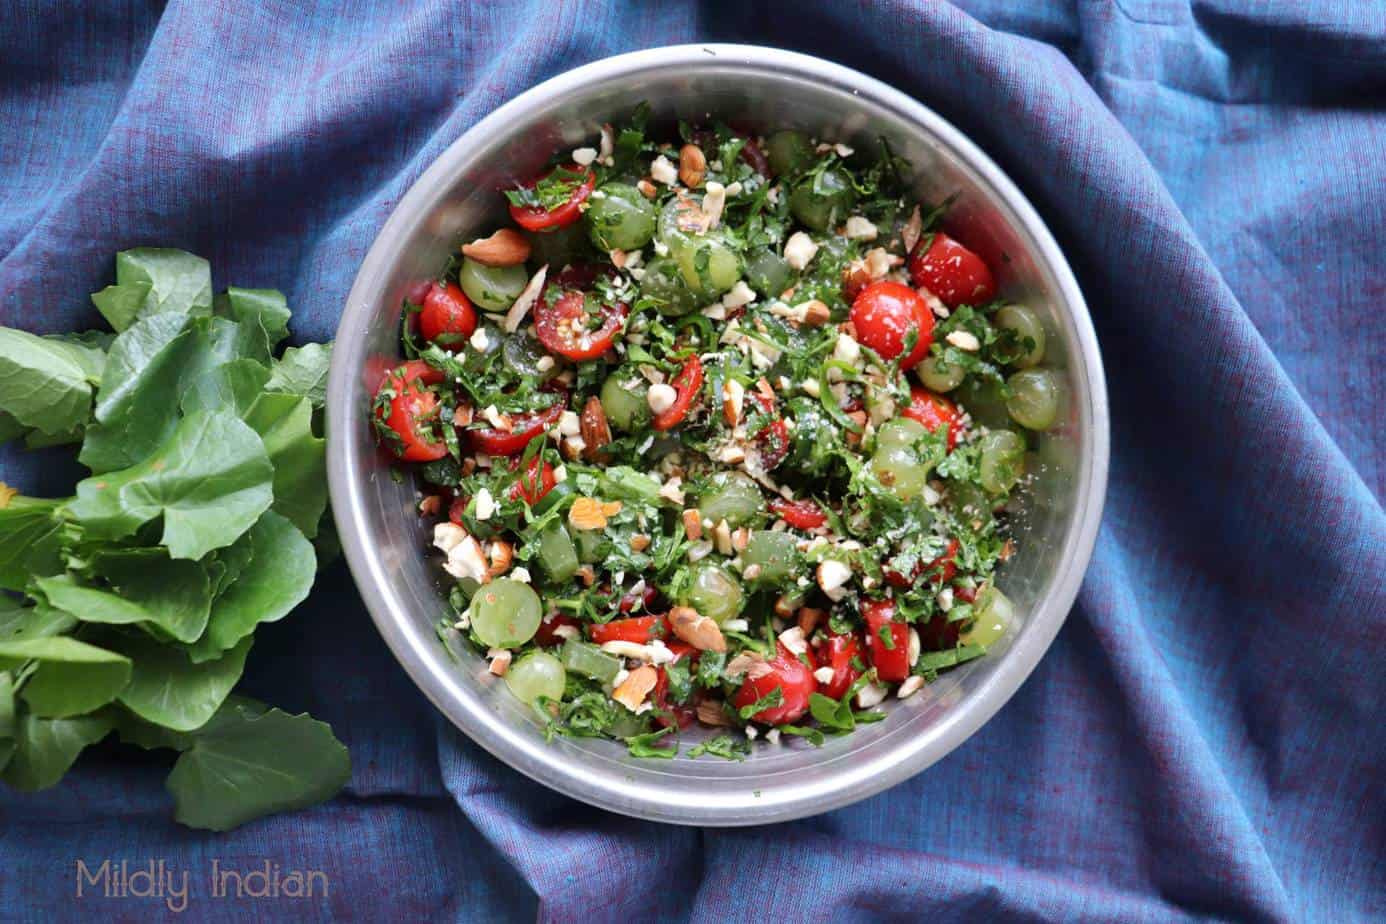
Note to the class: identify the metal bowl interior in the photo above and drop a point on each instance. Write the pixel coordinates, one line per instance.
(386, 545)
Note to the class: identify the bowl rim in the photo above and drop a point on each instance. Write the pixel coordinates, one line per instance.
(418, 652)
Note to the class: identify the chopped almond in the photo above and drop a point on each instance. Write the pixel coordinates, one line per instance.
(692, 166)
(809, 618)
(697, 630)
(507, 247)
(693, 525)
(710, 712)
(500, 554)
(639, 542)
(596, 432)
(816, 314)
(632, 691)
(587, 513)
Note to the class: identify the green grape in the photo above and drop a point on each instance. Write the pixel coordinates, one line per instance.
(789, 153)
(982, 399)
(667, 228)
(733, 497)
(589, 544)
(823, 200)
(493, 288)
(590, 661)
(663, 282)
(776, 554)
(1034, 401)
(619, 218)
(939, 376)
(1026, 324)
(557, 554)
(521, 353)
(992, 614)
(1003, 460)
(899, 469)
(768, 273)
(900, 432)
(505, 613)
(623, 400)
(714, 592)
(536, 674)
(709, 266)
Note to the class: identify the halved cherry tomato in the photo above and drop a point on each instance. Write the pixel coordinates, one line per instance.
(951, 271)
(537, 218)
(885, 312)
(448, 317)
(755, 157)
(522, 429)
(632, 601)
(548, 634)
(638, 629)
(687, 384)
(582, 275)
(800, 514)
(934, 411)
(534, 482)
(938, 633)
(773, 442)
(563, 326)
(941, 570)
(457, 508)
(838, 652)
(412, 412)
(792, 677)
(892, 664)
(683, 714)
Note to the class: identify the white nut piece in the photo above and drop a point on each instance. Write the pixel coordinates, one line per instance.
(823, 675)
(871, 695)
(799, 250)
(832, 578)
(740, 294)
(584, 156)
(661, 397)
(713, 202)
(861, 229)
(466, 560)
(793, 639)
(910, 686)
(447, 536)
(485, 504)
(913, 648)
(964, 340)
(663, 171)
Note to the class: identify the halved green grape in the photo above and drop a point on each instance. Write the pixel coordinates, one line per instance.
(992, 614)
(493, 288)
(1034, 401)
(619, 218)
(714, 592)
(733, 497)
(939, 376)
(521, 353)
(623, 400)
(590, 661)
(536, 674)
(775, 556)
(1003, 460)
(709, 266)
(902, 431)
(557, 554)
(982, 399)
(668, 229)
(505, 613)
(823, 200)
(899, 469)
(789, 153)
(768, 273)
(663, 282)
(1026, 324)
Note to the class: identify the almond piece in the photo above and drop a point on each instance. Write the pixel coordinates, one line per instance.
(816, 314)
(909, 235)
(500, 554)
(710, 712)
(587, 513)
(500, 661)
(637, 685)
(588, 575)
(809, 618)
(596, 432)
(639, 542)
(647, 189)
(692, 166)
(507, 247)
(692, 525)
(696, 629)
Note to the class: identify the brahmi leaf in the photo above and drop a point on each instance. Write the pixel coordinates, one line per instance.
(18, 621)
(72, 678)
(262, 316)
(134, 730)
(46, 748)
(303, 371)
(155, 280)
(232, 386)
(30, 541)
(146, 588)
(285, 424)
(170, 690)
(243, 766)
(210, 481)
(276, 578)
(44, 383)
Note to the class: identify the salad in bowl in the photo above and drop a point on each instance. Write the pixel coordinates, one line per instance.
(722, 429)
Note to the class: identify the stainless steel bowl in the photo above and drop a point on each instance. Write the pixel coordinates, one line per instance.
(387, 546)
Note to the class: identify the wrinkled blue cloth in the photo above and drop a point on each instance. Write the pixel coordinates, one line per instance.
(1204, 739)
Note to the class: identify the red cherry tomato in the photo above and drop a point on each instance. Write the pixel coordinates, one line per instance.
(687, 384)
(755, 157)
(838, 652)
(632, 602)
(548, 636)
(411, 412)
(522, 429)
(939, 634)
(892, 664)
(885, 312)
(682, 714)
(638, 629)
(534, 482)
(792, 677)
(582, 275)
(934, 411)
(457, 508)
(800, 514)
(941, 570)
(537, 218)
(773, 442)
(951, 271)
(448, 317)
(563, 326)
